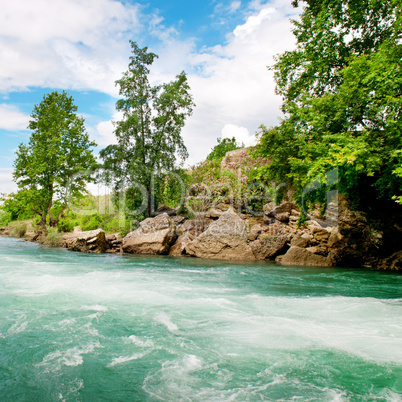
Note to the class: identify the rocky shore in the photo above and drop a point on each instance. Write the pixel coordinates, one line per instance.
(226, 234)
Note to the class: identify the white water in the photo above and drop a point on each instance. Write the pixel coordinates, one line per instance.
(98, 327)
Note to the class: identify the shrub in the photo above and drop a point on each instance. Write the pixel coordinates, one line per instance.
(18, 229)
(5, 218)
(68, 224)
(92, 222)
(53, 237)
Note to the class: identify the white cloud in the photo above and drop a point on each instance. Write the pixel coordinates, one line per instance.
(241, 134)
(105, 131)
(234, 6)
(6, 181)
(231, 84)
(74, 44)
(83, 45)
(12, 119)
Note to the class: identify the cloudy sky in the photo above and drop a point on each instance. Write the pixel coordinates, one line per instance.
(82, 47)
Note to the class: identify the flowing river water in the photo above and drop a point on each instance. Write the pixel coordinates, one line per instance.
(82, 327)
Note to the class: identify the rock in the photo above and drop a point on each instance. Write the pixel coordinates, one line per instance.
(193, 226)
(321, 235)
(300, 241)
(164, 209)
(283, 217)
(93, 241)
(268, 220)
(301, 256)
(178, 219)
(255, 231)
(285, 207)
(238, 158)
(154, 236)
(267, 208)
(179, 248)
(214, 213)
(114, 243)
(268, 247)
(320, 250)
(394, 262)
(334, 238)
(225, 238)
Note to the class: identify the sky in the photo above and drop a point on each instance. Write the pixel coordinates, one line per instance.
(82, 47)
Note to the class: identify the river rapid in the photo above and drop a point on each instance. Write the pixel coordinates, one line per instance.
(82, 327)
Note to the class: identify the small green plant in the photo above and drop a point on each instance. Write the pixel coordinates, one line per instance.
(302, 220)
(18, 229)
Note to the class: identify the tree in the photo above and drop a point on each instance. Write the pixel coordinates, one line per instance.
(149, 136)
(224, 145)
(342, 88)
(55, 165)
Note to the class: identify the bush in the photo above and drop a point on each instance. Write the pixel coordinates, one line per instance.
(18, 229)
(92, 222)
(53, 237)
(68, 224)
(5, 218)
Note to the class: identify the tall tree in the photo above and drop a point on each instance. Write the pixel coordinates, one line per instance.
(149, 136)
(342, 88)
(55, 164)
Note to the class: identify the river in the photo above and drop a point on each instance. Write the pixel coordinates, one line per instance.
(82, 327)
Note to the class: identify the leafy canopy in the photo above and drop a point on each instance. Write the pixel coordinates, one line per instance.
(149, 136)
(342, 88)
(54, 165)
(224, 145)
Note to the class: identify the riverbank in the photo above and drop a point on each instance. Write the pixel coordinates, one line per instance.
(343, 238)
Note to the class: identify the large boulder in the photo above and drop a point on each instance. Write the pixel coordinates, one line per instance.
(302, 256)
(179, 248)
(154, 236)
(268, 247)
(225, 239)
(93, 241)
(239, 158)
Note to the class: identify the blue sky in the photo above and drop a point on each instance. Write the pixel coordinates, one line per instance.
(82, 47)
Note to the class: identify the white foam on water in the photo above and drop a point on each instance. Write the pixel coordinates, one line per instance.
(147, 343)
(368, 328)
(67, 322)
(95, 307)
(165, 320)
(19, 326)
(70, 357)
(125, 359)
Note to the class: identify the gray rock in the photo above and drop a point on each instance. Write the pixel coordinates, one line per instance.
(301, 256)
(224, 239)
(268, 247)
(93, 241)
(154, 236)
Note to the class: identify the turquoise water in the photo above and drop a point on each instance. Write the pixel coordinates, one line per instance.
(80, 327)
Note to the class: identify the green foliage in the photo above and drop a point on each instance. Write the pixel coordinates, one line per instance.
(5, 218)
(342, 90)
(17, 205)
(53, 237)
(17, 229)
(172, 188)
(149, 136)
(55, 163)
(224, 145)
(68, 223)
(92, 222)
